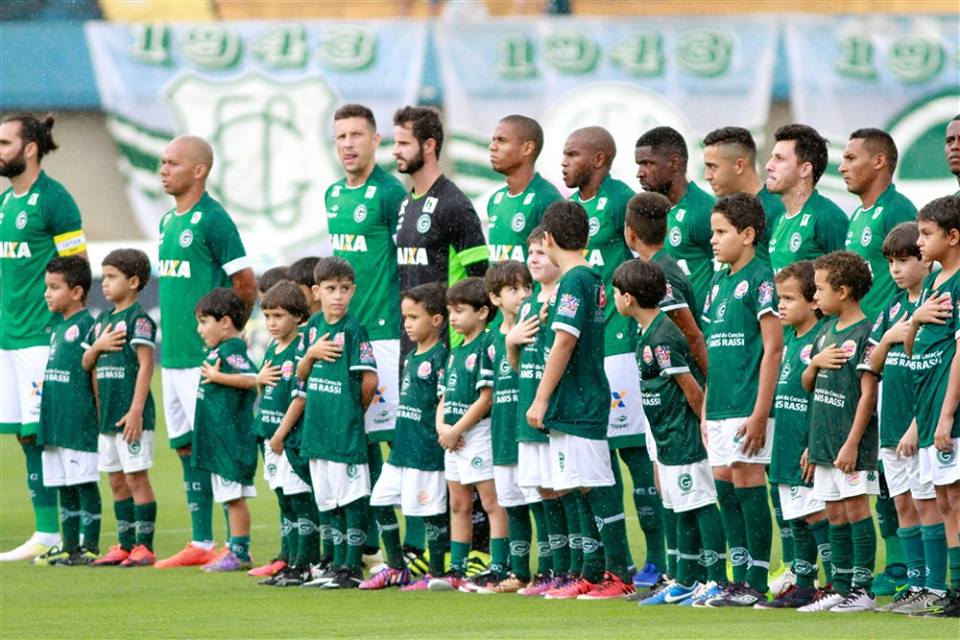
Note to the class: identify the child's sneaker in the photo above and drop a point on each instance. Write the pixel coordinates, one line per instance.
(793, 598)
(642, 594)
(648, 576)
(539, 586)
(447, 582)
(140, 556)
(227, 562)
(346, 578)
(612, 586)
(573, 589)
(741, 596)
(706, 592)
(916, 599)
(421, 584)
(388, 577)
(290, 577)
(219, 555)
(824, 599)
(373, 562)
(29, 550)
(782, 580)
(674, 594)
(416, 562)
(53, 556)
(857, 600)
(482, 580)
(190, 556)
(510, 584)
(114, 557)
(270, 569)
(320, 575)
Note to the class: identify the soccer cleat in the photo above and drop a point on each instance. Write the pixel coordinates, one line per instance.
(482, 580)
(642, 594)
(742, 596)
(373, 562)
(346, 578)
(320, 575)
(190, 556)
(573, 589)
(270, 569)
(477, 562)
(115, 556)
(29, 550)
(289, 577)
(510, 584)
(793, 598)
(824, 599)
(945, 606)
(82, 557)
(782, 580)
(917, 599)
(538, 586)
(388, 577)
(612, 586)
(447, 582)
(140, 556)
(674, 594)
(706, 592)
(885, 585)
(227, 562)
(857, 600)
(648, 576)
(219, 555)
(416, 561)
(421, 584)
(53, 556)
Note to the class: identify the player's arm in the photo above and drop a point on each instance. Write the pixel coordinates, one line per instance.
(847, 457)
(293, 414)
(691, 391)
(109, 340)
(244, 284)
(522, 333)
(563, 345)
(683, 318)
(132, 421)
(754, 428)
(936, 309)
(476, 412)
(941, 435)
(830, 358)
(368, 388)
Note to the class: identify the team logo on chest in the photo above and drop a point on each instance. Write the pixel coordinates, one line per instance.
(894, 310)
(121, 326)
(195, 218)
(805, 353)
(741, 289)
(471, 362)
(186, 238)
(849, 348)
(676, 237)
(795, 241)
(518, 222)
(648, 354)
(424, 369)
(866, 237)
(423, 222)
(594, 226)
(21, 221)
(360, 213)
(286, 369)
(72, 333)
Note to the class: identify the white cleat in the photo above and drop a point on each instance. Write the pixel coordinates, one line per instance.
(856, 601)
(26, 551)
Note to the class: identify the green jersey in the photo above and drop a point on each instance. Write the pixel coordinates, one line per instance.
(836, 395)
(895, 414)
(731, 317)
(415, 440)
(468, 371)
(361, 221)
(772, 210)
(513, 217)
(117, 371)
(933, 351)
(865, 236)
(224, 441)
(607, 250)
(199, 250)
(662, 354)
(679, 290)
(506, 398)
(580, 404)
(35, 227)
(790, 405)
(688, 239)
(276, 398)
(333, 418)
(818, 228)
(531, 371)
(68, 410)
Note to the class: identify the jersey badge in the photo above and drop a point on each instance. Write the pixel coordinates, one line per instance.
(601, 204)
(647, 354)
(663, 356)
(360, 213)
(518, 223)
(894, 310)
(765, 292)
(32, 201)
(142, 328)
(594, 225)
(805, 353)
(366, 352)
(741, 289)
(424, 370)
(471, 362)
(21, 219)
(491, 352)
(186, 238)
(423, 222)
(676, 237)
(877, 212)
(795, 241)
(498, 198)
(121, 326)
(805, 219)
(849, 348)
(286, 369)
(866, 237)
(338, 339)
(196, 217)
(237, 361)
(72, 333)
(429, 204)
(529, 199)
(569, 305)
(370, 192)
(335, 191)
(681, 214)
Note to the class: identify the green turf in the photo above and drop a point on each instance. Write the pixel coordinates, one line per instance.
(80, 602)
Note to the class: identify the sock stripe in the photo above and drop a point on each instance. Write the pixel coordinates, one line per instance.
(616, 518)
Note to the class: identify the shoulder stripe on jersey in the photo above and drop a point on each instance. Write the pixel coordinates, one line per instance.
(474, 254)
(234, 266)
(566, 328)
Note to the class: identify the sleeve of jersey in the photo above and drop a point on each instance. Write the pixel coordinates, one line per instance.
(225, 243)
(832, 230)
(485, 376)
(879, 327)
(390, 207)
(466, 234)
(238, 361)
(672, 357)
(361, 352)
(64, 224)
(671, 300)
(570, 313)
(91, 337)
(144, 332)
(707, 302)
(766, 296)
(866, 350)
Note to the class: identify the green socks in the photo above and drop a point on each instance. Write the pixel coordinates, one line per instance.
(804, 553)
(953, 559)
(787, 543)
(670, 533)
(610, 519)
(841, 555)
(734, 529)
(687, 540)
(756, 516)
(912, 542)
(240, 546)
(436, 532)
(864, 553)
(390, 534)
(648, 504)
(146, 523)
(521, 534)
(325, 529)
(44, 499)
(357, 518)
(821, 535)
(500, 557)
(308, 530)
(199, 501)
(414, 534)
(70, 518)
(713, 555)
(571, 511)
(458, 556)
(126, 529)
(934, 539)
(592, 568)
(91, 509)
(544, 555)
(288, 528)
(338, 529)
(556, 524)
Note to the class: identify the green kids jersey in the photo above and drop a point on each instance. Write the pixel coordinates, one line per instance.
(415, 441)
(199, 251)
(68, 411)
(868, 228)
(513, 217)
(607, 250)
(896, 411)
(791, 402)
(836, 394)
(224, 441)
(468, 371)
(362, 221)
(35, 227)
(663, 354)
(933, 351)
(276, 398)
(818, 228)
(688, 239)
(680, 293)
(116, 371)
(731, 318)
(531, 371)
(580, 404)
(506, 398)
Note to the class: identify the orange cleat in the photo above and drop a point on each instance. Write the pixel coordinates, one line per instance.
(217, 556)
(267, 570)
(114, 557)
(190, 556)
(140, 556)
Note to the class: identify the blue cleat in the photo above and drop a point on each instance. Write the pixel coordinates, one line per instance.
(675, 594)
(646, 577)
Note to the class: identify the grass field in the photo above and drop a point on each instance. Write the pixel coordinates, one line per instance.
(80, 602)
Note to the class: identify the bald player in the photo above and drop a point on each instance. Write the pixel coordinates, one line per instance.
(951, 149)
(200, 250)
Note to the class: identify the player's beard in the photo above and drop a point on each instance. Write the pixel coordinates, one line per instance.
(13, 167)
(413, 165)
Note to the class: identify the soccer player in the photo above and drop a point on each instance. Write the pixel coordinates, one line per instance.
(932, 343)
(119, 350)
(38, 221)
(812, 224)
(413, 474)
(868, 164)
(68, 416)
(200, 249)
(805, 515)
(951, 148)
(730, 166)
(572, 402)
(514, 210)
(743, 335)
(463, 430)
(661, 155)
(340, 374)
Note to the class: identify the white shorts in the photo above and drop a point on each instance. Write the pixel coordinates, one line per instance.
(417, 492)
(21, 373)
(533, 465)
(626, 406)
(938, 467)
(227, 490)
(724, 447)
(830, 484)
(274, 467)
(903, 474)
(509, 493)
(382, 413)
(64, 467)
(290, 482)
(798, 502)
(651, 445)
(179, 400)
(474, 462)
(579, 462)
(116, 454)
(336, 484)
(685, 487)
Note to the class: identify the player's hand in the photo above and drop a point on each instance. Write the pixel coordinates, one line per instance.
(832, 357)
(897, 333)
(210, 372)
(909, 442)
(276, 444)
(935, 310)
(132, 424)
(326, 350)
(806, 468)
(524, 332)
(269, 375)
(753, 432)
(535, 414)
(941, 437)
(846, 459)
(109, 340)
(449, 438)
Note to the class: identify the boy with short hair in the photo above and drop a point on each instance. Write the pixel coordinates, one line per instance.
(572, 403)
(743, 335)
(301, 272)
(672, 400)
(463, 428)
(224, 443)
(270, 277)
(68, 416)
(340, 374)
(841, 455)
(120, 348)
